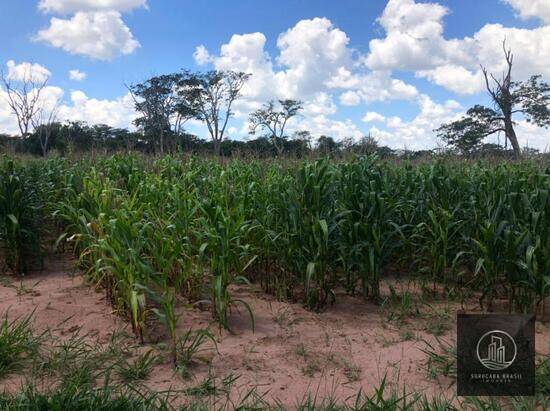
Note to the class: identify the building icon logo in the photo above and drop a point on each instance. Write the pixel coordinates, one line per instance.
(496, 350)
(495, 354)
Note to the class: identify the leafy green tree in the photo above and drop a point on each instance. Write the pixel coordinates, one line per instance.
(160, 106)
(261, 147)
(273, 120)
(467, 134)
(210, 97)
(78, 136)
(299, 145)
(326, 145)
(385, 152)
(367, 145)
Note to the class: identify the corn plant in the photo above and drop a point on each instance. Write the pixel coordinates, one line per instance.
(189, 346)
(535, 266)
(120, 262)
(318, 215)
(227, 254)
(369, 229)
(138, 369)
(436, 240)
(301, 229)
(167, 315)
(20, 215)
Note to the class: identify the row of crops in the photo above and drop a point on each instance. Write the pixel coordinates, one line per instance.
(148, 231)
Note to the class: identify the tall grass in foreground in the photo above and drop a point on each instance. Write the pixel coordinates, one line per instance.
(72, 373)
(17, 344)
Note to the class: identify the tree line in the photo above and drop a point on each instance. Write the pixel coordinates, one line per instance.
(79, 138)
(165, 103)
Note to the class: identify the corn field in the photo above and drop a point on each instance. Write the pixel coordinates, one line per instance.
(147, 231)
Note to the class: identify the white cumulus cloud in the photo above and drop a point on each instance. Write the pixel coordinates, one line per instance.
(245, 52)
(417, 133)
(201, 55)
(50, 97)
(99, 35)
(532, 8)
(312, 51)
(25, 71)
(350, 98)
(314, 61)
(118, 112)
(373, 116)
(415, 41)
(455, 78)
(72, 6)
(77, 75)
(8, 125)
(413, 36)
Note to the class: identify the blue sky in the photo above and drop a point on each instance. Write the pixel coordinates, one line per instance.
(411, 65)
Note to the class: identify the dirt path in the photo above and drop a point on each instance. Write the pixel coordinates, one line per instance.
(350, 346)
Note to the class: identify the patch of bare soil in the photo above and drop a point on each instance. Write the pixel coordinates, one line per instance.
(352, 345)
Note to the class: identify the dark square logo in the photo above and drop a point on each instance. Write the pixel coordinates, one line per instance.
(495, 354)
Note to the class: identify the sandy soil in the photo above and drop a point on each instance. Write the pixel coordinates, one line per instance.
(292, 351)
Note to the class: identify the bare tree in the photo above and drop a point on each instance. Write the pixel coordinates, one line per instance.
(44, 123)
(531, 98)
(274, 120)
(502, 97)
(23, 96)
(211, 96)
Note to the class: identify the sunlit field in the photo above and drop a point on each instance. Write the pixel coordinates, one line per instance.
(275, 205)
(144, 282)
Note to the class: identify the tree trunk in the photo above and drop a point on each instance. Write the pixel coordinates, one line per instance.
(217, 147)
(278, 146)
(43, 139)
(44, 148)
(511, 135)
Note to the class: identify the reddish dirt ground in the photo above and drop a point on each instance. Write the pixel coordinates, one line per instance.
(292, 351)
